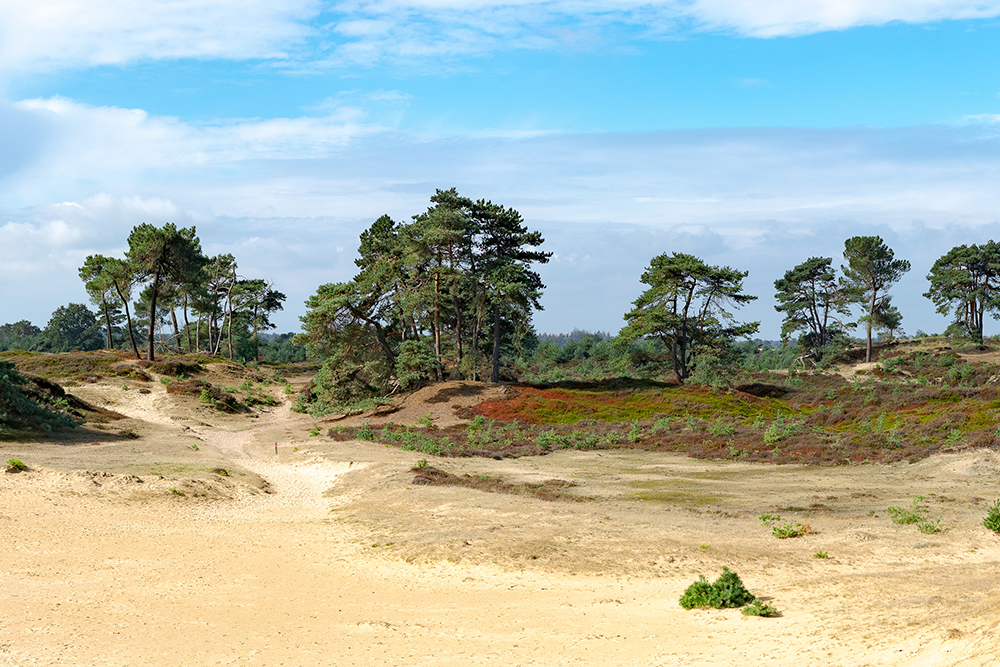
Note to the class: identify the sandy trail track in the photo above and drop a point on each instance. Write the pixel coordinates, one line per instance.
(347, 563)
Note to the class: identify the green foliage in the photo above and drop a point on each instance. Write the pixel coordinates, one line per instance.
(759, 608)
(915, 515)
(22, 335)
(964, 282)
(71, 327)
(814, 303)
(870, 271)
(422, 463)
(821, 554)
(992, 519)
(788, 529)
(165, 257)
(20, 409)
(685, 307)
(415, 364)
(17, 463)
(727, 591)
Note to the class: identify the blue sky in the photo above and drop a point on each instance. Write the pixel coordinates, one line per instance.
(753, 136)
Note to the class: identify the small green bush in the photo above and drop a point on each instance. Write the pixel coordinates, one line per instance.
(759, 608)
(787, 530)
(17, 463)
(992, 520)
(727, 591)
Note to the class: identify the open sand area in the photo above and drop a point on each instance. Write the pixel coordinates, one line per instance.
(123, 550)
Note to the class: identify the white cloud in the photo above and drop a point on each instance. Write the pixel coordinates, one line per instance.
(55, 34)
(46, 35)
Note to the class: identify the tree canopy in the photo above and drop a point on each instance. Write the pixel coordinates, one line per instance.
(425, 296)
(872, 268)
(686, 307)
(167, 268)
(965, 282)
(813, 302)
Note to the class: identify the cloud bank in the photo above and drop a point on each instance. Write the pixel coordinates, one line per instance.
(289, 196)
(47, 35)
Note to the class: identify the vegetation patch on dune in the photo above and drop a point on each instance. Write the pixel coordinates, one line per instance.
(550, 489)
(883, 415)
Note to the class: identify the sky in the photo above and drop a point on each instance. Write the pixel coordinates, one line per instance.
(753, 135)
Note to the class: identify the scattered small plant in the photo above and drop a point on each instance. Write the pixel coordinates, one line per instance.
(365, 432)
(176, 492)
(314, 431)
(929, 527)
(904, 516)
(17, 463)
(427, 421)
(422, 463)
(992, 520)
(789, 529)
(760, 608)
(768, 519)
(195, 447)
(821, 554)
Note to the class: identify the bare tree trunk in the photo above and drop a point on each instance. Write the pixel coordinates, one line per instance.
(107, 320)
(187, 325)
(437, 323)
(458, 332)
(495, 374)
(151, 343)
(177, 331)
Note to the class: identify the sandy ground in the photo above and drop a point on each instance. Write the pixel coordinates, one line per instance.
(130, 551)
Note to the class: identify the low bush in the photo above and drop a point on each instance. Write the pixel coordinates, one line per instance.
(992, 520)
(727, 591)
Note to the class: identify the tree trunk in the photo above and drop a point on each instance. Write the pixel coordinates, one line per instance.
(229, 329)
(107, 320)
(177, 331)
(128, 323)
(437, 324)
(150, 354)
(495, 373)
(187, 325)
(458, 333)
(871, 315)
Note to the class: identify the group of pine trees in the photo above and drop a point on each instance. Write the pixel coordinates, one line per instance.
(166, 269)
(444, 292)
(164, 273)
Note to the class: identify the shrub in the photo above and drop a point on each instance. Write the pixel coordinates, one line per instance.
(789, 529)
(727, 591)
(759, 608)
(17, 463)
(992, 520)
